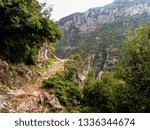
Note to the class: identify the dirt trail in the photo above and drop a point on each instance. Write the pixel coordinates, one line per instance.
(37, 85)
(32, 97)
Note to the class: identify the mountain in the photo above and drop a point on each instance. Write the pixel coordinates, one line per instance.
(96, 17)
(96, 33)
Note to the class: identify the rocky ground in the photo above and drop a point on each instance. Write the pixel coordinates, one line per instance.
(30, 96)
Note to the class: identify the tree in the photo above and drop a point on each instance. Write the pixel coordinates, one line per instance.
(100, 95)
(73, 67)
(128, 88)
(134, 69)
(23, 30)
(134, 65)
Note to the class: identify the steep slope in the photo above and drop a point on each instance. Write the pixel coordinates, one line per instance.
(97, 32)
(96, 17)
(31, 96)
(27, 36)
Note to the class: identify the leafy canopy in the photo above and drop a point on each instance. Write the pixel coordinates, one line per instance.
(128, 88)
(23, 30)
(134, 65)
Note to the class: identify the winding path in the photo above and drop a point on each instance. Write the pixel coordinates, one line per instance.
(32, 97)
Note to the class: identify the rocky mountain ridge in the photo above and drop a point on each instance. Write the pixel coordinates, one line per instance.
(96, 17)
(99, 31)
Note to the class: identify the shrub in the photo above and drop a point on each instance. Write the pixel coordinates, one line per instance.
(23, 30)
(68, 92)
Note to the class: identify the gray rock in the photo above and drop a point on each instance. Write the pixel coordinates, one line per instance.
(93, 18)
(3, 66)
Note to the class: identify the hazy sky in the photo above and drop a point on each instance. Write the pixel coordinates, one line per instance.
(62, 8)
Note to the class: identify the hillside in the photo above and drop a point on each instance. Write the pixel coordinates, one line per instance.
(27, 36)
(26, 93)
(34, 79)
(99, 31)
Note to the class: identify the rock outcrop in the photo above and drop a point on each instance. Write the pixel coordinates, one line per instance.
(93, 18)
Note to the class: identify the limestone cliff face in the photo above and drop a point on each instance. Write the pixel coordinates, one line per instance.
(99, 31)
(93, 18)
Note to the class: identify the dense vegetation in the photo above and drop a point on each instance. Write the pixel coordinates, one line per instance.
(125, 90)
(102, 42)
(24, 29)
(66, 86)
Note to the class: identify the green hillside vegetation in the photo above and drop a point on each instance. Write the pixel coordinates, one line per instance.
(125, 90)
(105, 38)
(66, 85)
(23, 30)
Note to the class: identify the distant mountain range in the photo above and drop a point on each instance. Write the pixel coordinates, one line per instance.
(96, 33)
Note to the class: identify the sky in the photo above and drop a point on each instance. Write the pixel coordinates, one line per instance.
(62, 8)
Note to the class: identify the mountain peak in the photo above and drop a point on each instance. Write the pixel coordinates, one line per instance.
(96, 17)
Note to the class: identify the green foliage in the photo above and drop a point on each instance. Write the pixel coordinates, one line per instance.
(108, 36)
(23, 30)
(73, 67)
(127, 89)
(68, 92)
(65, 86)
(112, 94)
(99, 95)
(134, 66)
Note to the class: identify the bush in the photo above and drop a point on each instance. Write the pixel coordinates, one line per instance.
(73, 67)
(23, 30)
(99, 95)
(134, 65)
(66, 86)
(68, 92)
